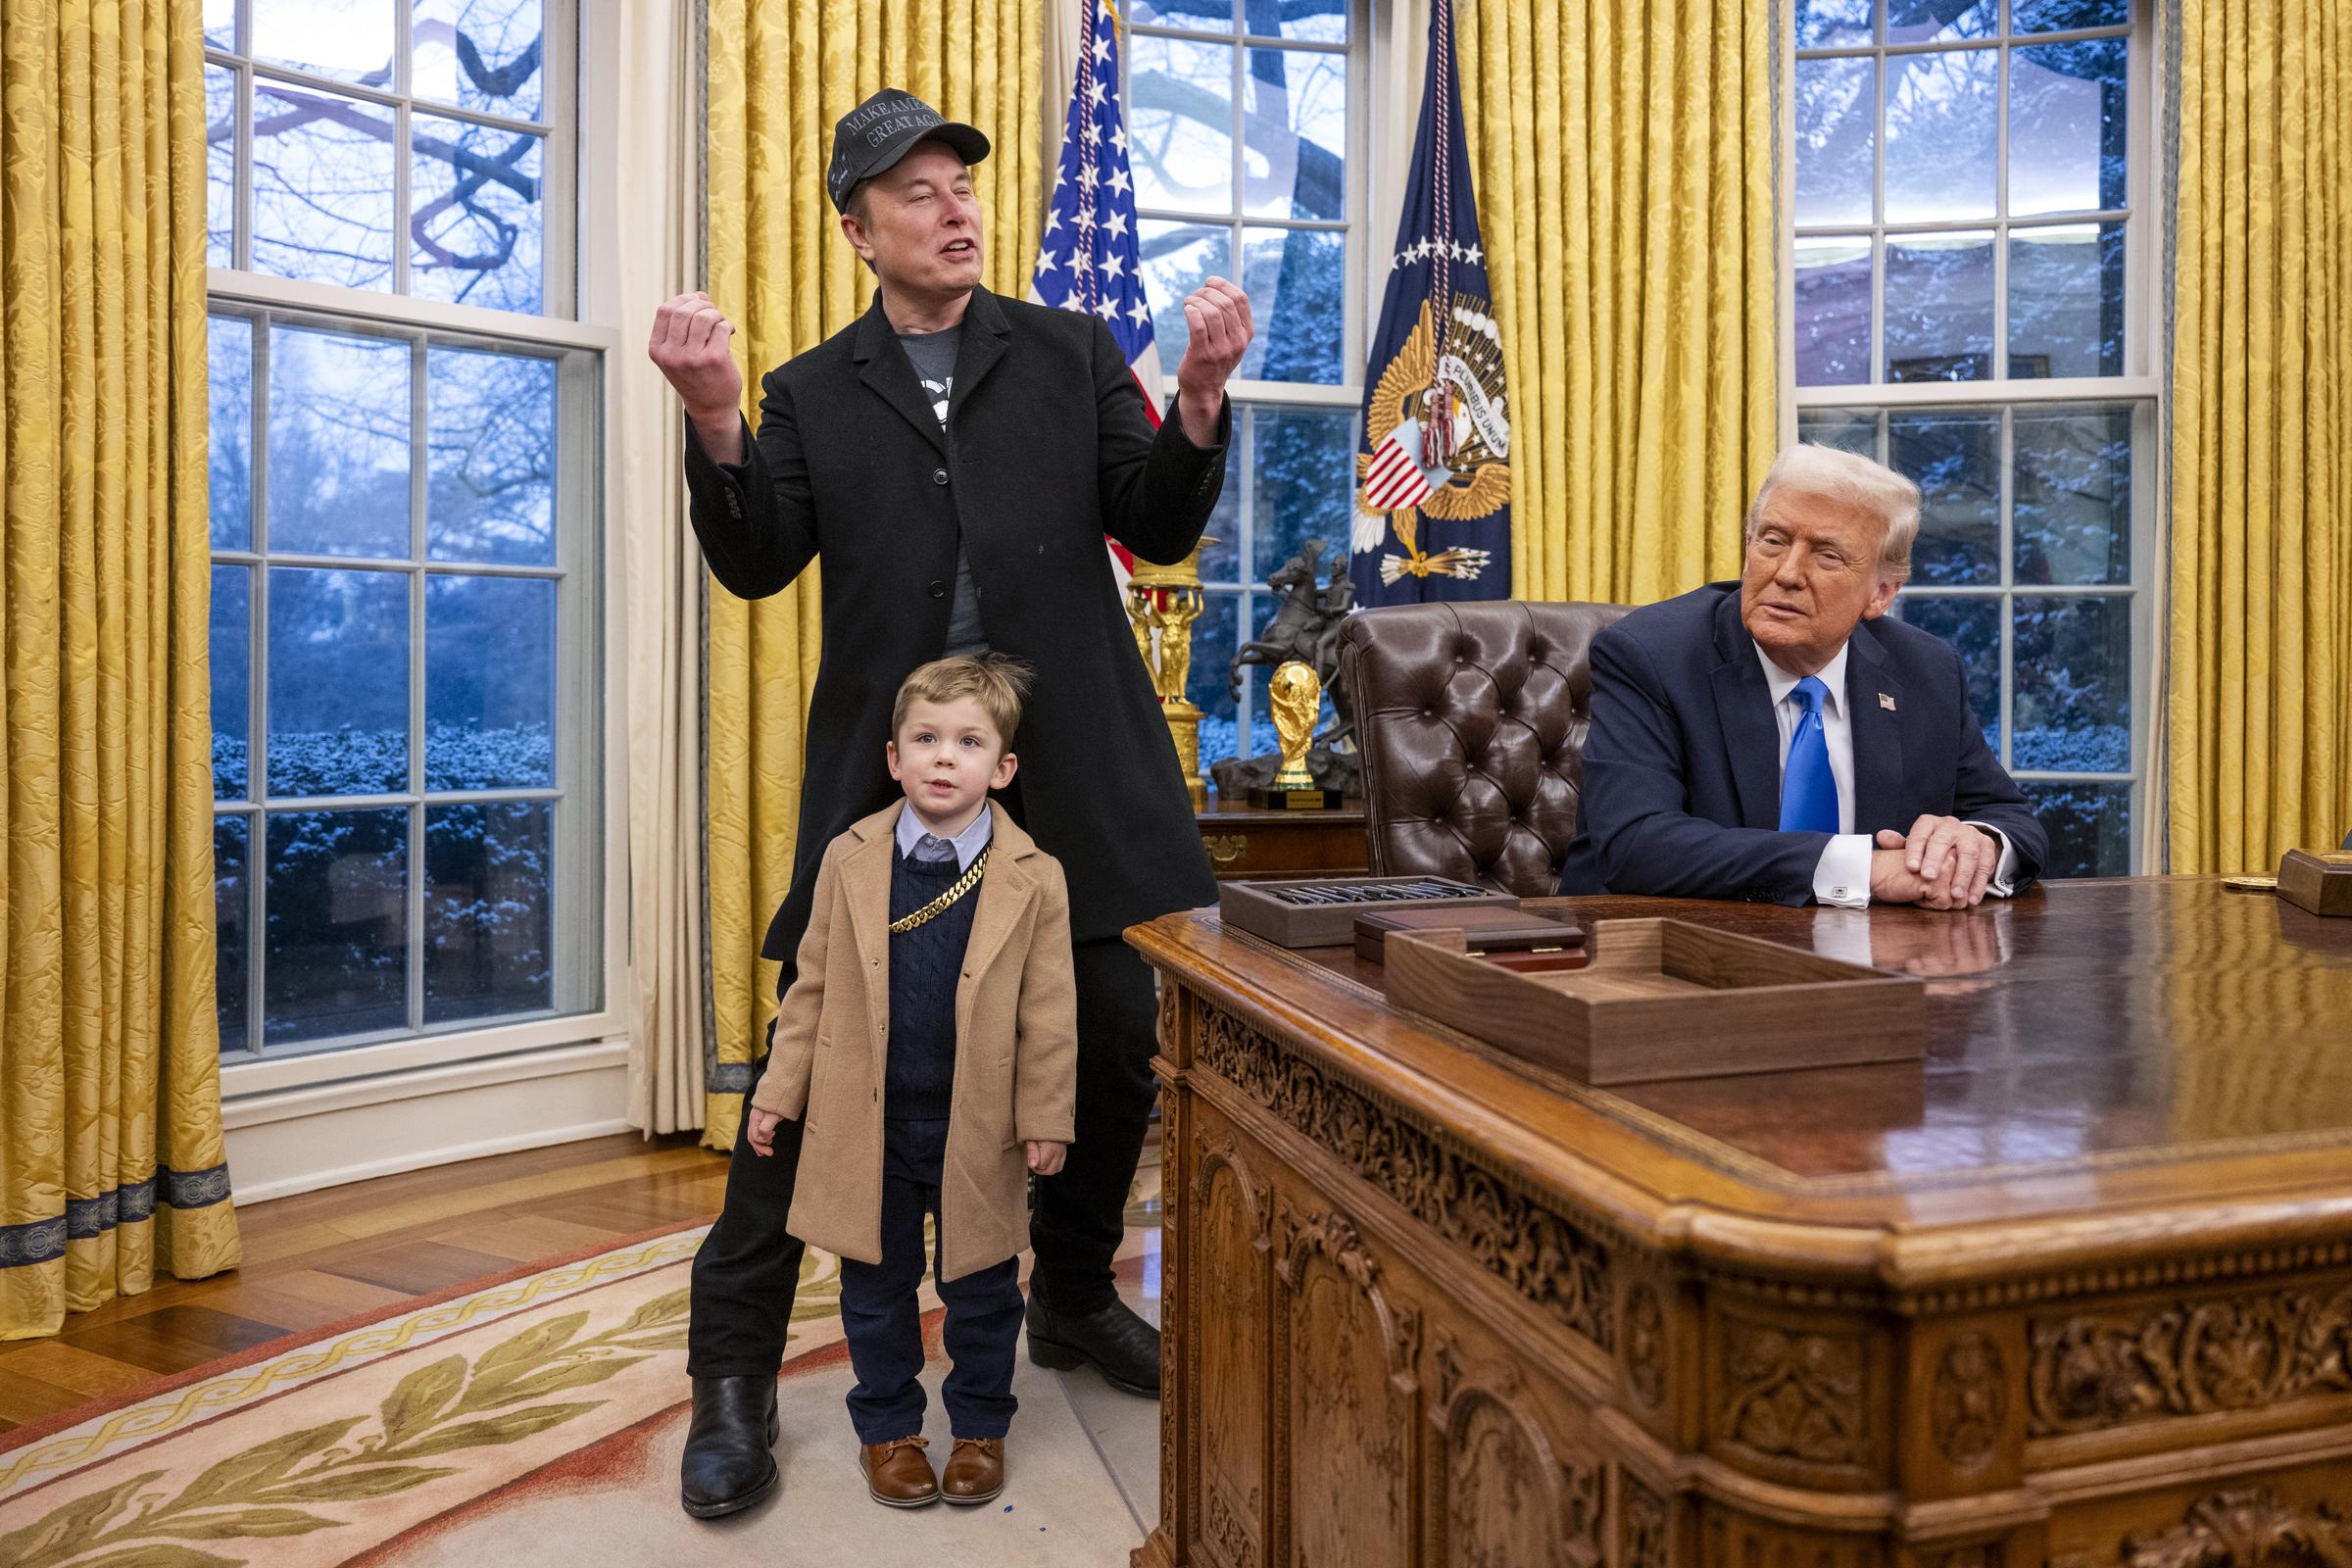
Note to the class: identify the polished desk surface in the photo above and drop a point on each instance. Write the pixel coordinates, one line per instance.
(2111, 1066)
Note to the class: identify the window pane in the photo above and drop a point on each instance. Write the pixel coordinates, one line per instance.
(489, 682)
(1972, 625)
(2056, 16)
(2068, 124)
(338, 956)
(350, 41)
(1955, 459)
(491, 440)
(1297, 284)
(1198, 15)
(1942, 135)
(1939, 307)
(1836, 130)
(2073, 683)
(1294, 148)
(1941, 21)
(229, 374)
(220, 166)
(321, 188)
(338, 682)
(1832, 311)
(220, 24)
(1177, 258)
(1208, 682)
(488, 894)
(2073, 495)
(483, 55)
(1180, 124)
(1322, 20)
(338, 444)
(475, 230)
(1304, 487)
(1854, 430)
(2065, 299)
(233, 949)
(2089, 827)
(1221, 562)
(1832, 21)
(231, 644)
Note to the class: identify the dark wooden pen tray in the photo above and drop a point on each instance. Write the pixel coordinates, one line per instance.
(1321, 911)
(1665, 999)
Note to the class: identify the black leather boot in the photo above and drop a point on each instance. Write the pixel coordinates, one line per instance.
(728, 1466)
(1111, 1338)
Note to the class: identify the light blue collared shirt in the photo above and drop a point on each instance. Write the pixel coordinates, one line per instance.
(968, 843)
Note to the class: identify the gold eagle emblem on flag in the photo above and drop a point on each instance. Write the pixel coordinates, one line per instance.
(1459, 472)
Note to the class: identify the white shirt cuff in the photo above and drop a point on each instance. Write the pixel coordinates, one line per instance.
(1841, 877)
(2004, 875)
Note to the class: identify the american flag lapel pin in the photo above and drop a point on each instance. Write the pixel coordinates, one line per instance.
(1886, 701)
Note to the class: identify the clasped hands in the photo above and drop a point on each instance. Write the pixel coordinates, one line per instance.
(1941, 863)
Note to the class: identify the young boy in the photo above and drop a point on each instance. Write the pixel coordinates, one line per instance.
(929, 1045)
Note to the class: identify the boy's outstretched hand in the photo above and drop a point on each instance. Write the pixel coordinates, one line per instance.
(763, 1132)
(1045, 1158)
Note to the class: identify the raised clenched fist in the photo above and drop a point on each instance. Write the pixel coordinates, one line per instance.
(690, 345)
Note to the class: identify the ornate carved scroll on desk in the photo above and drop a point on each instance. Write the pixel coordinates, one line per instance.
(1665, 999)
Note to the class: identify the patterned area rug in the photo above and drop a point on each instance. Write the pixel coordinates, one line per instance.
(531, 1418)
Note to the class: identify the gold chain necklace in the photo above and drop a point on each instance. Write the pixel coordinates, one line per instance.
(939, 905)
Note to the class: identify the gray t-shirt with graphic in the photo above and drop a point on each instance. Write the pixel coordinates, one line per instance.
(933, 355)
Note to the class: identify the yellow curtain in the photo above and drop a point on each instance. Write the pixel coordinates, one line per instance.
(2259, 754)
(111, 1159)
(781, 72)
(1623, 160)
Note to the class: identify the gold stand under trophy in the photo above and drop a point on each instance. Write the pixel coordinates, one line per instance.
(1295, 694)
(1163, 603)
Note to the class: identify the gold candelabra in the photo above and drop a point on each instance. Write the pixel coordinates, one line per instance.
(1163, 603)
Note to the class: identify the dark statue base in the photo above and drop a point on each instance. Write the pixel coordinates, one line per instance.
(1274, 799)
(1340, 775)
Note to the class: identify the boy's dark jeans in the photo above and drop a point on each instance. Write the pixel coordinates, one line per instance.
(884, 1321)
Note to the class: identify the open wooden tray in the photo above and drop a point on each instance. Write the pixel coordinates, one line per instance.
(1664, 999)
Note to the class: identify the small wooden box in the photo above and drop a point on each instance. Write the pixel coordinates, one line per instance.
(2320, 882)
(1321, 912)
(1665, 999)
(1488, 931)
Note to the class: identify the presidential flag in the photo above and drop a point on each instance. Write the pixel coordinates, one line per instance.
(1433, 467)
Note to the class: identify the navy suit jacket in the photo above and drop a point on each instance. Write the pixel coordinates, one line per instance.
(1682, 782)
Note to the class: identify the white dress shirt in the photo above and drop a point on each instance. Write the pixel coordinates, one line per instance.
(968, 843)
(1841, 876)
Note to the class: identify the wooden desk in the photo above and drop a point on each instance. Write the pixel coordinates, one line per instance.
(2076, 1290)
(1249, 841)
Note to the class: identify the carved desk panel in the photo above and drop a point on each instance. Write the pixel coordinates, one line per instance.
(2076, 1290)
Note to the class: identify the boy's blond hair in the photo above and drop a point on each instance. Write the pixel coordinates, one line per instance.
(999, 682)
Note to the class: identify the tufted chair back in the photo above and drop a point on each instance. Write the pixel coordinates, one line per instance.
(1471, 718)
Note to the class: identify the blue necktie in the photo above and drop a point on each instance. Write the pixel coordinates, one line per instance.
(1809, 792)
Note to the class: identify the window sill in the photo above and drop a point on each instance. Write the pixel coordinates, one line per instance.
(241, 1080)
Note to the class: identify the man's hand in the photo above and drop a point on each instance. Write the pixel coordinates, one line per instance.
(690, 344)
(1218, 316)
(761, 1131)
(1045, 1157)
(1944, 863)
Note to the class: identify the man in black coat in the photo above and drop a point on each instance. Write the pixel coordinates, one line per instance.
(955, 460)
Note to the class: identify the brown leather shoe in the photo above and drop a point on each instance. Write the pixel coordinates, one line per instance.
(898, 1474)
(976, 1470)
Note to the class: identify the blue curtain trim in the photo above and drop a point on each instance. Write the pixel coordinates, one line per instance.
(43, 1241)
(730, 1078)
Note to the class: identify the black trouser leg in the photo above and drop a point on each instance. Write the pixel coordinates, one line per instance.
(745, 1272)
(1079, 1214)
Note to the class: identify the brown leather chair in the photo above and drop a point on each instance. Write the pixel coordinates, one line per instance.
(1471, 721)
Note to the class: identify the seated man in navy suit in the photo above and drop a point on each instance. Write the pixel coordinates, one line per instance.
(1775, 739)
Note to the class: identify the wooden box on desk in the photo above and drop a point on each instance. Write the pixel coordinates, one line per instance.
(1665, 999)
(2320, 882)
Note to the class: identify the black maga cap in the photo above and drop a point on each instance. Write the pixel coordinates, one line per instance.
(873, 136)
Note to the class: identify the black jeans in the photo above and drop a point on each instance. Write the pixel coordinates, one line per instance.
(883, 1321)
(746, 1272)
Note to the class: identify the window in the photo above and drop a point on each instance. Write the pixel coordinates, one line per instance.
(1243, 122)
(1970, 260)
(403, 527)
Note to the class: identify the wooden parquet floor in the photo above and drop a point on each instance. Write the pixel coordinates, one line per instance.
(319, 1256)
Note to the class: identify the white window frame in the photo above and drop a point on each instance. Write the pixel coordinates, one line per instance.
(1252, 395)
(588, 848)
(2140, 386)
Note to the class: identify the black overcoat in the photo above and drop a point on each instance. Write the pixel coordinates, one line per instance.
(1048, 448)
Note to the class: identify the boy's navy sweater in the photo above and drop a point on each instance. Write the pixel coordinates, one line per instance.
(924, 966)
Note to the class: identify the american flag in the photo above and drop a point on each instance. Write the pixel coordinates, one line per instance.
(1090, 259)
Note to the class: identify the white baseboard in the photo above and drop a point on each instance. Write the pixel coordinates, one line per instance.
(300, 1140)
